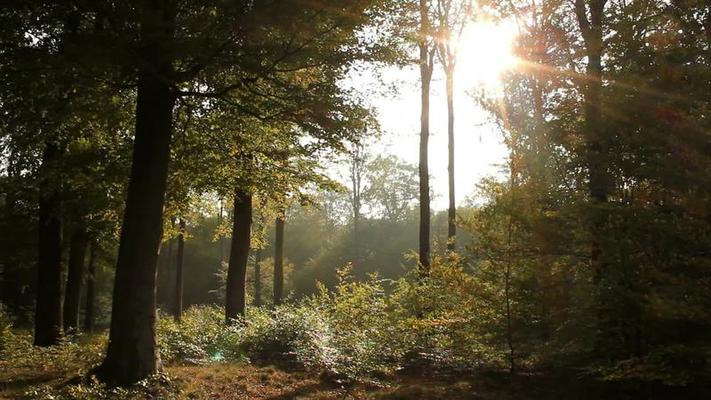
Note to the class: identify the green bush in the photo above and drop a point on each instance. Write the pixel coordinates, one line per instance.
(295, 334)
(200, 337)
(6, 335)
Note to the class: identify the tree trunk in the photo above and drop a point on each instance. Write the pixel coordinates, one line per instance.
(221, 240)
(509, 265)
(178, 300)
(132, 353)
(279, 260)
(10, 292)
(258, 278)
(452, 210)
(596, 154)
(356, 186)
(165, 281)
(48, 308)
(89, 313)
(236, 293)
(426, 60)
(75, 278)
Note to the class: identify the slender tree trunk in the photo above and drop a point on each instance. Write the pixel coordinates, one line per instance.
(165, 282)
(452, 210)
(236, 293)
(132, 353)
(89, 310)
(75, 277)
(356, 187)
(48, 309)
(279, 260)
(10, 290)
(178, 300)
(507, 294)
(509, 265)
(258, 278)
(221, 240)
(426, 61)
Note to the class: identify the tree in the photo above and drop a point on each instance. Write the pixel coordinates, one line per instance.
(132, 353)
(391, 187)
(426, 61)
(358, 159)
(79, 243)
(590, 17)
(452, 16)
(236, 291)
(178, 299)
(279, 259)
(90, 306)
(48, 309)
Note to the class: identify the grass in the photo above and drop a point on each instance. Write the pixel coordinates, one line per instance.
(271, 382)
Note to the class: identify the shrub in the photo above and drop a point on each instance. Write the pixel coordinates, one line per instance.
(6, 335)
(365, 330)
(200, 337)
(294, 334)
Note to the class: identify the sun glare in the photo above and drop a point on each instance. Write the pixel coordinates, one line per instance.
(485, 50)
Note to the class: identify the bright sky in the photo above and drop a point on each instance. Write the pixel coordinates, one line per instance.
(479, 150)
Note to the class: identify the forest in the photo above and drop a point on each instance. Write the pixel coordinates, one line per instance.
(355, 199)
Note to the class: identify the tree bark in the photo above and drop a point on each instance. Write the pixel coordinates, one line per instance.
(509, 264)
(75, 278)
(356, 186)
(452, 210)
(236, 293)
(596, 153)
(258, 278)
(10, 293)
(279, 260)
(165, 281)
(48, 308)
(426, 61)
(132, 353)
(178, 300)
(89, 310)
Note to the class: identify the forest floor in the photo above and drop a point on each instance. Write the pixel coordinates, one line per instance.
(268, 382)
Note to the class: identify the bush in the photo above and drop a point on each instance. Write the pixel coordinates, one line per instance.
(6, 335)
(200, 337)
(293, 334)
(366, 331)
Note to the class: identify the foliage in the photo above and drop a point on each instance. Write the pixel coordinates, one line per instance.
(156, 386)
(200, 337)
(18, 358)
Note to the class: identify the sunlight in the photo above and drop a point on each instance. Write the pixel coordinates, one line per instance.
(485, 52)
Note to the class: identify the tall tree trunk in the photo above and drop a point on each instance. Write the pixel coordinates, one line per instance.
(221, 241)
(163, 272)
(279, 260)
(509, 264)
(178, 300)
(258, 278)
(596, 154)
(452, 210)
(236, 293)
(48, 308)
(75, 277)
(166, 279)
(356, 166)
(89, 308)
(426, 67)
(132, 353)
(10, 290)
